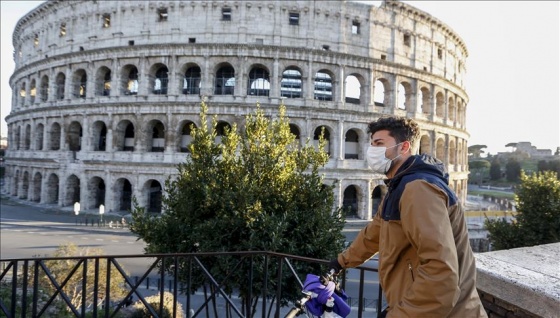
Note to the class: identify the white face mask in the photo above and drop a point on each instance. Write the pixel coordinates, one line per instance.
(377, 161)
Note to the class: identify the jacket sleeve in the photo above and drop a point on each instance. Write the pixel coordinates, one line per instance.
(364, 246)
(425, 222)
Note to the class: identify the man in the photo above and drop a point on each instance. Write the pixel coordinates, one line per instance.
(426, 265)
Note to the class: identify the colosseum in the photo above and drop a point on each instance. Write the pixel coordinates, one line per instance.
(105, 92)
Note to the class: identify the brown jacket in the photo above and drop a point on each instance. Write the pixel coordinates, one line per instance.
(426, 265)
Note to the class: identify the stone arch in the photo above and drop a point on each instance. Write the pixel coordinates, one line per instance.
(185, 135)
(452, 152)
(159, 78)
(60, 86)
(54, 136)
(425, 145)
(354, 84)
(44, 88)
(125, 136)
(351, 144)
(323, 85)
(74, 136)
(96, 192)
(22, 93)
(39, 136)
(291, 84)
(32, 91)
(155, 138)
(52, 189)
(154, 194)
(36, 189)
(350, 201)
(192, 80)
(27, 137)
(221, 128)
(295, 131)
(123, 194)
(129, 79)
(99, 135)
(376, 197)
(440, 105)
(426, 100)
(404, 96)
(73, 190)
(258, 81)
(440, 150)
(382, 92)
(17, 137)
(103, 81)
(79, 81)
(451, 109)
(24, 185)
(224, 82)
(327, 131)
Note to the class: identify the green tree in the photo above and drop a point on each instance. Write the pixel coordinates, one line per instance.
(513, 170)
(542, 165)
(538, 218)
(495, 169)
(256, 190)
(476, 150)
(479, 170)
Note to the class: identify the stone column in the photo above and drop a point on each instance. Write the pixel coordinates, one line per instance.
(339, 145)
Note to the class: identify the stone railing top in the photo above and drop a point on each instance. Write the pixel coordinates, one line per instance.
(527, 277)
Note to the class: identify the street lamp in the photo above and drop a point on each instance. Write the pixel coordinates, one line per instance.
(101, 212)
(77, 210)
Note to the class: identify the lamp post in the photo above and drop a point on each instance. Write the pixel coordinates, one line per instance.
(77, 210)
(101, 212)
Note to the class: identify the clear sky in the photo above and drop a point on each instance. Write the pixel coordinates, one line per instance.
(512, 70)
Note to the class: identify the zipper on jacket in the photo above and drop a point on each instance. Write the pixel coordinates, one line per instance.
(411, 271)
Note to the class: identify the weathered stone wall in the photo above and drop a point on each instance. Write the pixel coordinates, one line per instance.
(88, 119)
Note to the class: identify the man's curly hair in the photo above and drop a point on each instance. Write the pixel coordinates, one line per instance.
(400, 128)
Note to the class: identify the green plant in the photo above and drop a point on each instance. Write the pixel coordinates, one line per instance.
(140, 311)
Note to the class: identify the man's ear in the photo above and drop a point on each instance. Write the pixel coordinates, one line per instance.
(406, 146)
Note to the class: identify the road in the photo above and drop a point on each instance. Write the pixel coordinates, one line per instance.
(27, 231)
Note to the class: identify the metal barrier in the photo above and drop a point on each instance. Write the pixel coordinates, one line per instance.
(24, 280)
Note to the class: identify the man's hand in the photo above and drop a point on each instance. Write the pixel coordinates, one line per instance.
(333, 264)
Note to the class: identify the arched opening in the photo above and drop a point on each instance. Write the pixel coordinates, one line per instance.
(425, 145)
(80, 83)
(161, 80)
(440, 150)
(96, 193)
(221, 129)
(426, 101)
(440, 105)
(125, 136)
(186, 137)
(452, 153)
(103, 82)
(60, 83)
(452, 109)
(123, 194)
(72, 190)
(22, 94)
(401, 97)
(192, 81)
(44, 89)
(39, 135)
(52, 189)
(351, 145)
(24, 186)
(154, 196)
(55, 136)
(294, 130)
(259, 82)
(376, 196)
(32, 91)
(37, 184)
(353, 89)
(291, 85)
(323, 88)
(99, 132)
(157, 141)
(380, 93)
(225, 81)
(27, 138)
(74, 136)
(326, 135)
(130, 80)
(350, 201)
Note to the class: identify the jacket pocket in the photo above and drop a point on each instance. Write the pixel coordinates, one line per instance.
(411, 270)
